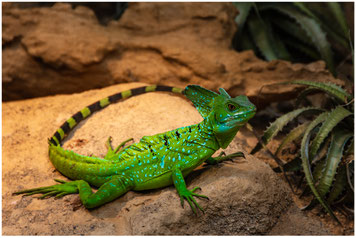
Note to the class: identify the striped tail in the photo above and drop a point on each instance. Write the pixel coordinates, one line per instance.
(67, 126)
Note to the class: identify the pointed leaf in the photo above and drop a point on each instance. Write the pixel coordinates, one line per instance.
(339, 185)
(278, 125)
(328, 26)
(339, 16)
(306, 165)
(320, 165)
(242, 39)
(338, 141)
(305, 9)
(260, 36)
(329, 88)
(350, 148)
(277, 44)
(293, 135)
(244, 10)
(316, 176)
(292, 28)
(350, 174)
(305, 49)
(335, 116)
(323, 151)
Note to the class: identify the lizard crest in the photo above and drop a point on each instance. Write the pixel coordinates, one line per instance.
(225, 114)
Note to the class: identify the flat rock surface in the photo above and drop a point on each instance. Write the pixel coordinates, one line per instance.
(246, 197)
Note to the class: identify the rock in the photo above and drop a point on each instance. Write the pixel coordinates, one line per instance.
(246, 197)
(63, 50)
(295, 222)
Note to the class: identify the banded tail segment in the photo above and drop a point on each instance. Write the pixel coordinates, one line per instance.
(67, 126)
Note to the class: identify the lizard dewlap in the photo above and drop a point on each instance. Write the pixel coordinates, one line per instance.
(154, 162)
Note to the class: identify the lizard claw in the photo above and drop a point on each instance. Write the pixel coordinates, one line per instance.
(189, 196)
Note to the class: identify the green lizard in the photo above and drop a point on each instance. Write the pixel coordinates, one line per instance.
(154, 162)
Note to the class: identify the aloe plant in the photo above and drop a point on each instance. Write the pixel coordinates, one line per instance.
(328, 173)
(292, 31)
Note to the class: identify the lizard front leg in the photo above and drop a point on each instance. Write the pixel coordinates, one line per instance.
(114, 188)
(222, 157)
(183, 192)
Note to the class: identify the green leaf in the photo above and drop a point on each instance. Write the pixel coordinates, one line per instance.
(307, 50)
(329, 88)
(292, 28)
(305, 9)
(241, 39)
(277, 44)
(293, 135)
(278, 125)
(323, 151)
(318, 169)
(306, 165)
(330, 30)
(352, 49)
(350, 148)
(313, 30)
(339, 184)
(244, 10)
(260, 35)
(334, 118)
(338, 141)
(326, 171)
(339, 16)
(350, 174)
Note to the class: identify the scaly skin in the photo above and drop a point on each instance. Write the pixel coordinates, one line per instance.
(154, 162)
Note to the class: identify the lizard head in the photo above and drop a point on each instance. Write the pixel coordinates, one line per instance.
(229, 115)
(225, 114)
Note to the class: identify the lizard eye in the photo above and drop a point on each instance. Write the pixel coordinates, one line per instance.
(231, 107)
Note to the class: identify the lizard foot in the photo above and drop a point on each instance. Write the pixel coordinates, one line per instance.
(111, 152)
(188, 195)
(223, 157)
(58, 190)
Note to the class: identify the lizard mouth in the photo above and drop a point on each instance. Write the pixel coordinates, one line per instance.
(239, 119)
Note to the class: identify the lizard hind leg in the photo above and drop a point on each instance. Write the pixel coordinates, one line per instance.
(112, 189)
(58, 190)
(111, 152)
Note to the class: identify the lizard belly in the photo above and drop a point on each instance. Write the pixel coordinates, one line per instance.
(165, 179)
(160, 181)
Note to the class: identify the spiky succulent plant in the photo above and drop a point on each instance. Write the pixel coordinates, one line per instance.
(326, 143)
